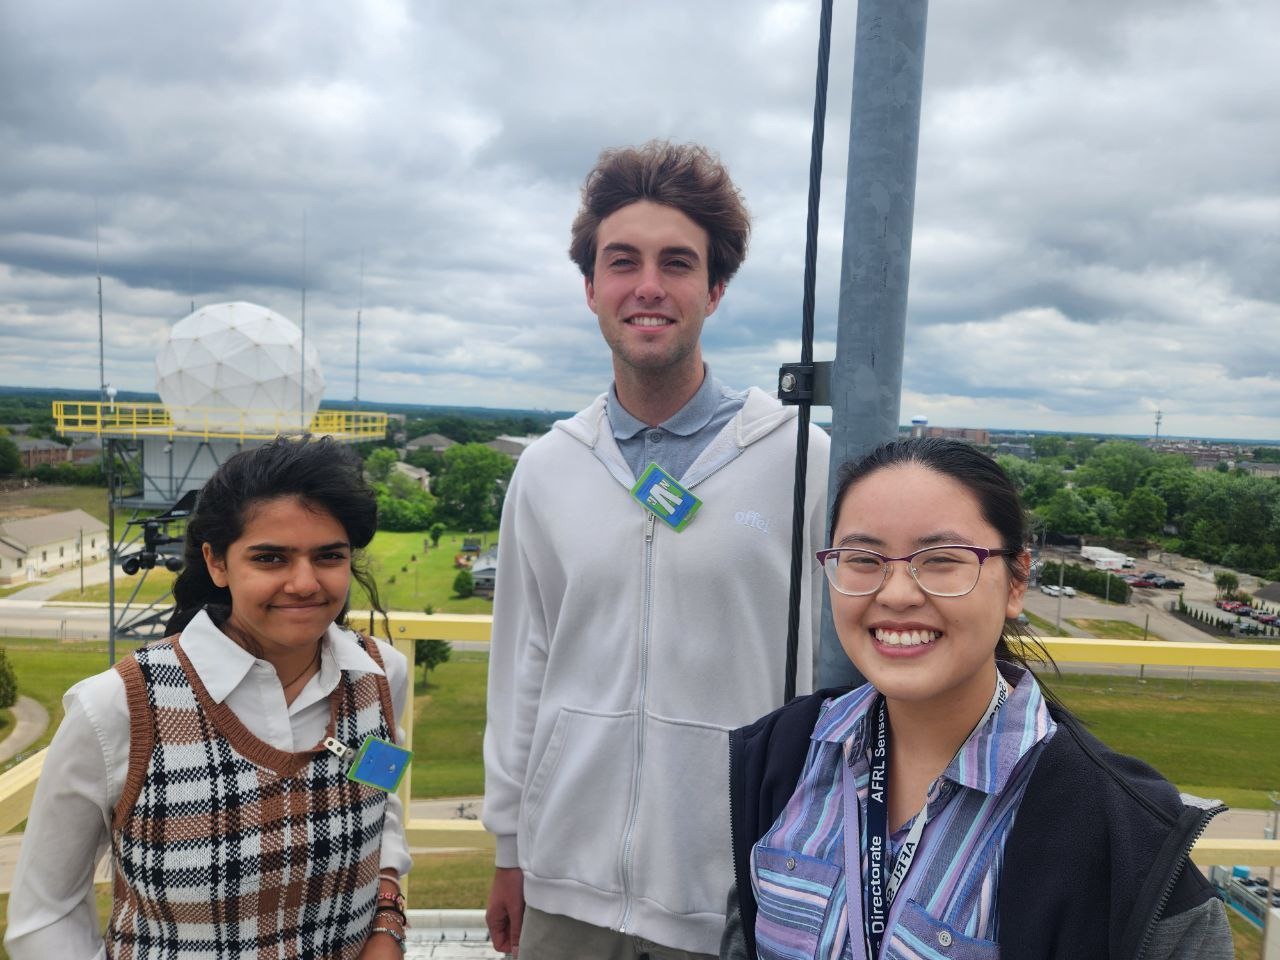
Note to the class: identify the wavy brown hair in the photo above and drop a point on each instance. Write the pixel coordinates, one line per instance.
(685, 176)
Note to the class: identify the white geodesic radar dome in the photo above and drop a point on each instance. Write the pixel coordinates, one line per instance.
(236, 366)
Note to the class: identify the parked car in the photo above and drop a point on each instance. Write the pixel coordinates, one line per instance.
(1141, 582)
(1172, 584)
(1068, 591)
(1270, 619)
(1049, 589)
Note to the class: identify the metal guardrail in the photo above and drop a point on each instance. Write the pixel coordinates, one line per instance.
(135, 420)
(17, 786)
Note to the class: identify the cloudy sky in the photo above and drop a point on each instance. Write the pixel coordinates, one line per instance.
(1096, 231)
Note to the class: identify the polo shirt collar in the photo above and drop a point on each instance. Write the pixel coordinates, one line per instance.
(685, 422)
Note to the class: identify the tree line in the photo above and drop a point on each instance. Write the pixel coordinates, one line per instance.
(1121, 490)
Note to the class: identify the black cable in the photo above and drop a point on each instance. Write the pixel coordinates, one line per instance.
(806, 348)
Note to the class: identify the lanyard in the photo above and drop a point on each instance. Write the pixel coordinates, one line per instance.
(883, 881)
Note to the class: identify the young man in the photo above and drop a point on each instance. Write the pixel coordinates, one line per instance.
(641, 615)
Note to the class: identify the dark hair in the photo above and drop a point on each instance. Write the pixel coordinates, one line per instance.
(685, 176)
(998, 501)
(322, 474)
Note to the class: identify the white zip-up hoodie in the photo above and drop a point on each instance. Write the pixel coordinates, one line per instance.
(624, 652)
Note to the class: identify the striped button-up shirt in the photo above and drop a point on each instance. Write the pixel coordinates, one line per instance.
(946, 905)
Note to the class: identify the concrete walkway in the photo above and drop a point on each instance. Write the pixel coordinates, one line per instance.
(31, 721)
(94, 573)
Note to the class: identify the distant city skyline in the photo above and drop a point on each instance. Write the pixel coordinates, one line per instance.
(1094, 235)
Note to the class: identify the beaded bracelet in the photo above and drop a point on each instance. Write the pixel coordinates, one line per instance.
(392, 911)
(393, 898)
(398, 937)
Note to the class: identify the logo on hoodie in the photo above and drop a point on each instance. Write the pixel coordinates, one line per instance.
(752, 518)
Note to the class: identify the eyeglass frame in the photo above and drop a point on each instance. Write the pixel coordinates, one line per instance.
(982, 553)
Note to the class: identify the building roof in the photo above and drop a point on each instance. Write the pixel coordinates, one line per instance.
(37, 443)
(31, 532)
(433, 441)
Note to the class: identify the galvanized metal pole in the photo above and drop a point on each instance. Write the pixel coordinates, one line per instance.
(884, 138)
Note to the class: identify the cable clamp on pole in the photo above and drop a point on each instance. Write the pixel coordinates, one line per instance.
(805, 383)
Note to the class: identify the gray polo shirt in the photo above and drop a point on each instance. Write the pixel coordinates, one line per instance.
(676, 442)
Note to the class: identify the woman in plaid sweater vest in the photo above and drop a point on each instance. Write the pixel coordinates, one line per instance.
(200, 761)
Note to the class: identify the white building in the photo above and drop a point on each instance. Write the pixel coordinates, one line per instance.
(38, 546)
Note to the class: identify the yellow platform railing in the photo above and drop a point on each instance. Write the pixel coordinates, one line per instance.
(135, 420)
(17, 785)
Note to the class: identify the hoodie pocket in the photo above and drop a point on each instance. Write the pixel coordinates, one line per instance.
(793, 898)
(575, 804)
(681, 850)
(918, 934)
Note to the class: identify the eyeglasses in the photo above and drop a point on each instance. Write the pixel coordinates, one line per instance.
(948, 570)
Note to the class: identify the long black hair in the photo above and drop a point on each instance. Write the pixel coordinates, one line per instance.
(998, 501)
(322, 474)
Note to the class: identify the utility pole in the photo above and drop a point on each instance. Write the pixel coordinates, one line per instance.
(1062, 569)
(880, 190)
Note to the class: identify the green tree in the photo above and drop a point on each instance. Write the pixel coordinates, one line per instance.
(380, 464)
(436, 531)
(1049, 446)
(1106, 505)
(10, 459)
(429, 654)
(1226, 582)
(1144, 514)
(8, 682)
(464, 585)
(400, 514)
(1036, 482)
(1066, 512)
(470, 489)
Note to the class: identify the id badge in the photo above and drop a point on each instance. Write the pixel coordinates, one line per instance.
(376, 763)
(663, 496)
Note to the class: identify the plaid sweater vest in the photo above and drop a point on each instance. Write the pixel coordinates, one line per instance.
(226, 847)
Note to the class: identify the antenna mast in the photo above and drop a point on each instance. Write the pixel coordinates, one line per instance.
(302, 381)
(359, 311)
(97, 261)
(1159, 417)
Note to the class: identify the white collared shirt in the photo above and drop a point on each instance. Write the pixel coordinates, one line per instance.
(51, 908)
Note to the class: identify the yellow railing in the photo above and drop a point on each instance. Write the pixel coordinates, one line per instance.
(136, 420)
(17, 786)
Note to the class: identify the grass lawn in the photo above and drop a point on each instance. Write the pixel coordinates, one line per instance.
(1211, 738)
(6, 722)
(156, 586)
(1113, 629)
(1246, 936)
(1042, 626)
(52, 499)
(448, 728)
(47, 668)
(428, 580)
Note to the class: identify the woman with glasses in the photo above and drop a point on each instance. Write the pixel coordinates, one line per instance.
(950, 807)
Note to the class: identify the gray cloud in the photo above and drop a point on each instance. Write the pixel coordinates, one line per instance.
(1095, 229)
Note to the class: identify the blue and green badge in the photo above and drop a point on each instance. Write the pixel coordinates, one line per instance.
(661, 494)
(375, 763)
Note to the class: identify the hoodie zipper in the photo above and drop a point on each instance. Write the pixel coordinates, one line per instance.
(629, 833)
(1147, 934)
